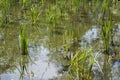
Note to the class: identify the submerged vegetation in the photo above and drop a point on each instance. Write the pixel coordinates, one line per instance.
(69, 29)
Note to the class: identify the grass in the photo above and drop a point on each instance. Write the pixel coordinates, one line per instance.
(23, 66)
(34, 11)
(25, 58)
(5, 4)
(106, 33)
(106, 22)
(23, 42)
(23, 3)
(78, 62)
(78, 66)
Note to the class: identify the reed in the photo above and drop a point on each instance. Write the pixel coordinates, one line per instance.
(78, 64)
(67, 39)
(23, 42)
(104, 4)
(54, 14)
(23, 66)
(24, 55)
(5, 4)
(23, 3)
(24, 60)
(106, 33)
(34, 11)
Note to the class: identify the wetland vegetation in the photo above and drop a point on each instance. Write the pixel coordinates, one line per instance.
(59, 40)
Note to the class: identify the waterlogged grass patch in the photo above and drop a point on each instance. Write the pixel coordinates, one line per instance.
(78, 65)
(5, 5)
(106, 33)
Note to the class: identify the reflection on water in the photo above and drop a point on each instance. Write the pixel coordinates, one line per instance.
(36, 65)
(115, 70)
(102, 68)
(43, 69)
(64, 25)
(33, 67)
(90, 36)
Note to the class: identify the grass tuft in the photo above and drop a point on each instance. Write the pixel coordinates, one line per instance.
(23, 42)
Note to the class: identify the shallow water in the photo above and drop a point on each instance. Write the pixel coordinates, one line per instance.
(47, 42)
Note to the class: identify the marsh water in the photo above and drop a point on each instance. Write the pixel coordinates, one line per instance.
(74, 26)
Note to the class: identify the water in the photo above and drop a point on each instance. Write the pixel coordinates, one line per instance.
(54, 32)
(41, 69)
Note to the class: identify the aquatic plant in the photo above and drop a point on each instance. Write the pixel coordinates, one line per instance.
(62, 7)
(23, 66)
(14, 1)
(24, 60)
(104, 4)
(53, 14)
(5, 4)
(23, 42)
(78, 66)
(34, 11)
(106, 33)
(23, 3)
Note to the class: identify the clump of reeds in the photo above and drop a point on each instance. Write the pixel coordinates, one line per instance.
(23, 41)
(34, 11)
(78, 66)
(5, 4)
(106, 33)
(23, 3)
(23, 66)
(25, 57)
